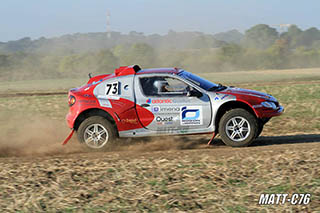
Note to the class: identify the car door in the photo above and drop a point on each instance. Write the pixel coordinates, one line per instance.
(166, 97)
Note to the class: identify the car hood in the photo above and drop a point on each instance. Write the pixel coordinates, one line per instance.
(240, 91)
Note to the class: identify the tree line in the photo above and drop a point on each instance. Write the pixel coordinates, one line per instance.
(260, 47)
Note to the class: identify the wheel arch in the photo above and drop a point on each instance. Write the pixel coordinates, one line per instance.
(232, 105)
(94, 112)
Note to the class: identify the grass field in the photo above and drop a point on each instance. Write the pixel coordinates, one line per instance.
(300, 98)
(260, 76)
(156, 175)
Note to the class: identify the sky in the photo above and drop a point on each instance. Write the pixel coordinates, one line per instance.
(51, 18)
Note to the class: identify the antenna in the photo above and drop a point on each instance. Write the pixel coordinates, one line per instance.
(108, 25)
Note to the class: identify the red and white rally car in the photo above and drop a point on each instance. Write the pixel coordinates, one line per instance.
(135, 102)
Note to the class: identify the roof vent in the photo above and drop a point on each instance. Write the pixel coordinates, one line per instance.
(127, 70)
(136, 68)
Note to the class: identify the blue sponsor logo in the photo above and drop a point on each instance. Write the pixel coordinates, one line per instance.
(191, 115)
(195, 113)
(155, 109)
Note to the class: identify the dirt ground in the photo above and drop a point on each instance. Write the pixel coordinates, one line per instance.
(157, 175)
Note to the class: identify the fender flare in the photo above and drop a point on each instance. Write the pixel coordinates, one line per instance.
(108, 114)
(228, 105)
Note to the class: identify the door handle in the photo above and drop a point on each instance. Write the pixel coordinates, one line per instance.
(145, 105)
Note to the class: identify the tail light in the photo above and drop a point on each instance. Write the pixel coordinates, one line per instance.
(72, 100)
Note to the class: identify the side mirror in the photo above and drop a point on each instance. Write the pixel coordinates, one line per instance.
(194, 93)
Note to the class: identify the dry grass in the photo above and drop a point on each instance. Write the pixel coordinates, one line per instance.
(235, 77)
(206, 180)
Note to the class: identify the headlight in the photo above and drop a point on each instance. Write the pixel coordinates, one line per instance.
(269, 104)
(72, 100)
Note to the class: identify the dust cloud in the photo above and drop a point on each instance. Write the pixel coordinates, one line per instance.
(33, 136)
(161, 143)
(27, 136)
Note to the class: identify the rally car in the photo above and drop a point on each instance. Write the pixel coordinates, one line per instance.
(135, 102)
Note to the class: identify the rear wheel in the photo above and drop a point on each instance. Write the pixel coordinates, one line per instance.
(97, 133)
(238, 128)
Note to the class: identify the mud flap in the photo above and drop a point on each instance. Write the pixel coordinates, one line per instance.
(214, 135)
(68, 138)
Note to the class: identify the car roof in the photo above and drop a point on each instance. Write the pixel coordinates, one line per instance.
(158, 70)
(135, 69)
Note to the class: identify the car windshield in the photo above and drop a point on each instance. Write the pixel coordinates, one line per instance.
(203, 83)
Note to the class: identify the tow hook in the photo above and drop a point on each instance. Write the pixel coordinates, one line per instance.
(68, 138)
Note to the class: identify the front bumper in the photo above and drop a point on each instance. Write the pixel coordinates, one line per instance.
(263, 113)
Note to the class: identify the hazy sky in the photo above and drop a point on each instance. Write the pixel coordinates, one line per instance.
(49, 18)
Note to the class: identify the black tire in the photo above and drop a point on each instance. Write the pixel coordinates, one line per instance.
(108, 133)
(235, 117)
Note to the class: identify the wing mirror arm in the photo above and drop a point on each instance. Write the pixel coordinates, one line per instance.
(194, 93)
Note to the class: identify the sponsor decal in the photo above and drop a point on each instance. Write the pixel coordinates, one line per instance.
(159, 101)
(168, 130)
(96, 82)
(220, 97)
(130, 121)
(155, 109)
(111, 97)
(257, 106)
(191, 115)
(105, 103)
(93, 83)
(162, 109)
(223, 97)
(164, 119)
(88, 95)
(183, 131)
(183, 100)
(87, 101)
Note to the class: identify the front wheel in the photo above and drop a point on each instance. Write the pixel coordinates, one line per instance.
(96, 132)
(238, 128)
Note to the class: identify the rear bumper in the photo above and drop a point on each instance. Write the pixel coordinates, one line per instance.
(70, 120)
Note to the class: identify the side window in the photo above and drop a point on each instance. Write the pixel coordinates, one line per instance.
(163, 86)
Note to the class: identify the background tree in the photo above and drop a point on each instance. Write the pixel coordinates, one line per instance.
(260, 36)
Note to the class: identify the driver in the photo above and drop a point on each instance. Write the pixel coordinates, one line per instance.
(161, 86)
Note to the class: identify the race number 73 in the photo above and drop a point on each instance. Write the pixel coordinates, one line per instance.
(112, 88)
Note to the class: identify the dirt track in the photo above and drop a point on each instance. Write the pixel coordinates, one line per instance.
(176, 174)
